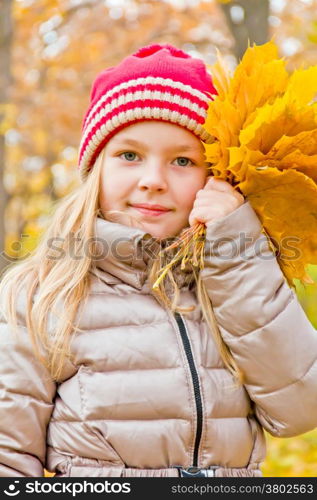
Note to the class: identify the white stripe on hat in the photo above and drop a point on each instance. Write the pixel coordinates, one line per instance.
(136, 96)
(143, 81)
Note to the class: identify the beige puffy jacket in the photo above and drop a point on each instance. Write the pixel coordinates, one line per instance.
(147, 390)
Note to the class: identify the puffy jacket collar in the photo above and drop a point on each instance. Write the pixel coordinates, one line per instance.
(125, 253)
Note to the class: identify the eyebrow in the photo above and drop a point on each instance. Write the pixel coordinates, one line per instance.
(133, 142)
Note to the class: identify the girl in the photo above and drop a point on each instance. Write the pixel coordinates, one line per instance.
(103, 375)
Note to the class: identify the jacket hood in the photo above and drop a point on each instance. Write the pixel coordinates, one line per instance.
(126, 253)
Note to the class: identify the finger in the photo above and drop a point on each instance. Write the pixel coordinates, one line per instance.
(222, 186)
(230, 205)
(213, 196)
(203, 215)
(218, 184)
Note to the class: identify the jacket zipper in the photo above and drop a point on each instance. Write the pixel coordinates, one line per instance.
(195, 380)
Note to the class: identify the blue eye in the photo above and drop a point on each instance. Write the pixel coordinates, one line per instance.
(183, 158)
(128, 155)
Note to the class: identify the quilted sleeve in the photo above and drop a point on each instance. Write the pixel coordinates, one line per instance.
(262, 322)
(26, 403)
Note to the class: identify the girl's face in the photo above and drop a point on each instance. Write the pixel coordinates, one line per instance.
(152, 163)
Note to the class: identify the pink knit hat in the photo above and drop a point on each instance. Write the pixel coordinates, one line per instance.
(158, 82)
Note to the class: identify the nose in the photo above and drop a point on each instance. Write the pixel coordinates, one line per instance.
(153, 178)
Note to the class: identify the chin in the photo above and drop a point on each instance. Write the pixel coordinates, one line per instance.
(159, 235)
(162, 235)
(163, 231)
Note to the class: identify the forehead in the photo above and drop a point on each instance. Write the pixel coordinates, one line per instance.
(149, 134)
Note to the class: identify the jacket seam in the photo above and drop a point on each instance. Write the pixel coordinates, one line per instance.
(97, 466)
(138, 325)
(270, 424)
(104, 419)
(238, 337)
(282, 388)
(82, 395)
(21, 453)
(130, 369)
(139, 420)
(68, 359)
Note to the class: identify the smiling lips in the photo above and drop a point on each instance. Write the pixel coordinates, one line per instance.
(148, 209)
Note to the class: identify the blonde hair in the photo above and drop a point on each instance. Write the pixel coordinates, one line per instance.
(60, 286)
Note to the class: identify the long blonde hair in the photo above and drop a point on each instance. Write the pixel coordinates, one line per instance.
(60, 286)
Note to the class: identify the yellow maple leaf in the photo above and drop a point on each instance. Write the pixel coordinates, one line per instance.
(286, 203)
(265, 123)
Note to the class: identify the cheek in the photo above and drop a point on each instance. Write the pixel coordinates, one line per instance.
(111, 189)
(187, 194)
(107, 194)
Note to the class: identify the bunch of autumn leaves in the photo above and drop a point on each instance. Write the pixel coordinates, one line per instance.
(264, 121)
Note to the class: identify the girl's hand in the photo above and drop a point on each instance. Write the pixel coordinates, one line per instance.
(216, 200)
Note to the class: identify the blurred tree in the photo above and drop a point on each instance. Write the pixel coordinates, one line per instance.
(293, 24)
(5, 80)
(248, 22)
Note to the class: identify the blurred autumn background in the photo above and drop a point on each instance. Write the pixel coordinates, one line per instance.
(50, 52)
